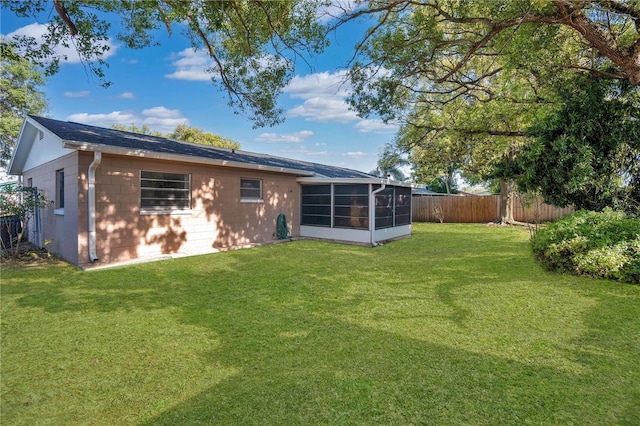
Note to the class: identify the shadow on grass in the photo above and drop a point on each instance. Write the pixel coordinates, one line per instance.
(316, 337)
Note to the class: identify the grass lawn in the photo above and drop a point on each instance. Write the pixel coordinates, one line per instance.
(456, 325)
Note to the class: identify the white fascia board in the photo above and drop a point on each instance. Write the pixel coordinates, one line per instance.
(106, 149)
(20, 150)
(372, 180)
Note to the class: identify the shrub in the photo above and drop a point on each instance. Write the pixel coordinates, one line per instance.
(17, 206)
(604, 245)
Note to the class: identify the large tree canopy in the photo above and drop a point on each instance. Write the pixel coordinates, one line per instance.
(433, 51)
(467, 79)
(425, 51)
(254, 44)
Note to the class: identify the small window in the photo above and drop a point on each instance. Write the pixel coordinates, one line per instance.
(60, 189)
(164, 192)
(250, 190)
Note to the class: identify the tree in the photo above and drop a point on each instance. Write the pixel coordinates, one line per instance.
(471, 77)
(253, 44)
(389, 163)
(588, 153)
(434, 52)
(195, 135)
(430, 47)
(144, 130)
(20, 95)
(435, 160)
(184, 133)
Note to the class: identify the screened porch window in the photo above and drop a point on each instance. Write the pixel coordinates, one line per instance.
(164, 192)
(351, 206)
(402, 201)
(393, 207)
(384, 208)
(316, 205)
(347, 206)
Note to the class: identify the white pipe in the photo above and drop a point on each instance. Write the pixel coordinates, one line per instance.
(372, 213)
(91, 197)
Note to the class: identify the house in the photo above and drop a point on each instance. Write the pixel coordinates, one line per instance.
(118, 196)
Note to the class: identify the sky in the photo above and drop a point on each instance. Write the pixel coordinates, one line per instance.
(165, 86)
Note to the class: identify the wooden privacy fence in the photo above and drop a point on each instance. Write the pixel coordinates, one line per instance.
(479, 209)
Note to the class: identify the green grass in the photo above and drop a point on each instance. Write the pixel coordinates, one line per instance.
(456, 325)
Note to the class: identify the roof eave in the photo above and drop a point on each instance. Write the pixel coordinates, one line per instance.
(372, 180)
(92, 147)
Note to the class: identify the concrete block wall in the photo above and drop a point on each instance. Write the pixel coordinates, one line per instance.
(218, 218)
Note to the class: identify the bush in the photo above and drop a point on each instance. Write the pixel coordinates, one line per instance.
(603, 245)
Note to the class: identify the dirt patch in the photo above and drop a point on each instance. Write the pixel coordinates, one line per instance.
(29, 255)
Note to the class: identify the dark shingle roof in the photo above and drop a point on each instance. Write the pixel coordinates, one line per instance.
(76, 132)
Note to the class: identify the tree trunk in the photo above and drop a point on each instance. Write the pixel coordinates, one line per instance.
(506, 202)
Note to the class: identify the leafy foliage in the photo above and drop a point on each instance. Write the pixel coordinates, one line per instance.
(20, 94)
(195, 135)
(253, 44)
(185, 133)
(390, 163)
(434, 52)
(588, 152)
(604, 245)
(20, 202)
(428, 51)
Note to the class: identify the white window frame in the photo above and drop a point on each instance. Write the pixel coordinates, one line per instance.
(253, 199)
(160, 209)
(59, 198)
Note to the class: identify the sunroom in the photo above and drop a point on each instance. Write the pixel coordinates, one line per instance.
(362, 211)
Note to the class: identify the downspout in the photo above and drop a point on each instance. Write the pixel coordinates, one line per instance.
(372, 213)
(91, 198)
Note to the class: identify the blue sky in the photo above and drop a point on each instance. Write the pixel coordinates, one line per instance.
(163, 86)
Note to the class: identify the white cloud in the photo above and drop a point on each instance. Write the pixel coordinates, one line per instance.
(301, 151)
(105, 120)
(335, 9)
(323, 96)
(37, 31)
(296, 137)
(81, 94)
(126, 95)
(163, 119)
(376, 126)
(324, 110)
(324, 84)
(355, 154)
(157, 119)
(162, 112)
(191, 65)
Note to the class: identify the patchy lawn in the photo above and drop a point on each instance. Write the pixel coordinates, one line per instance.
(456, 325)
